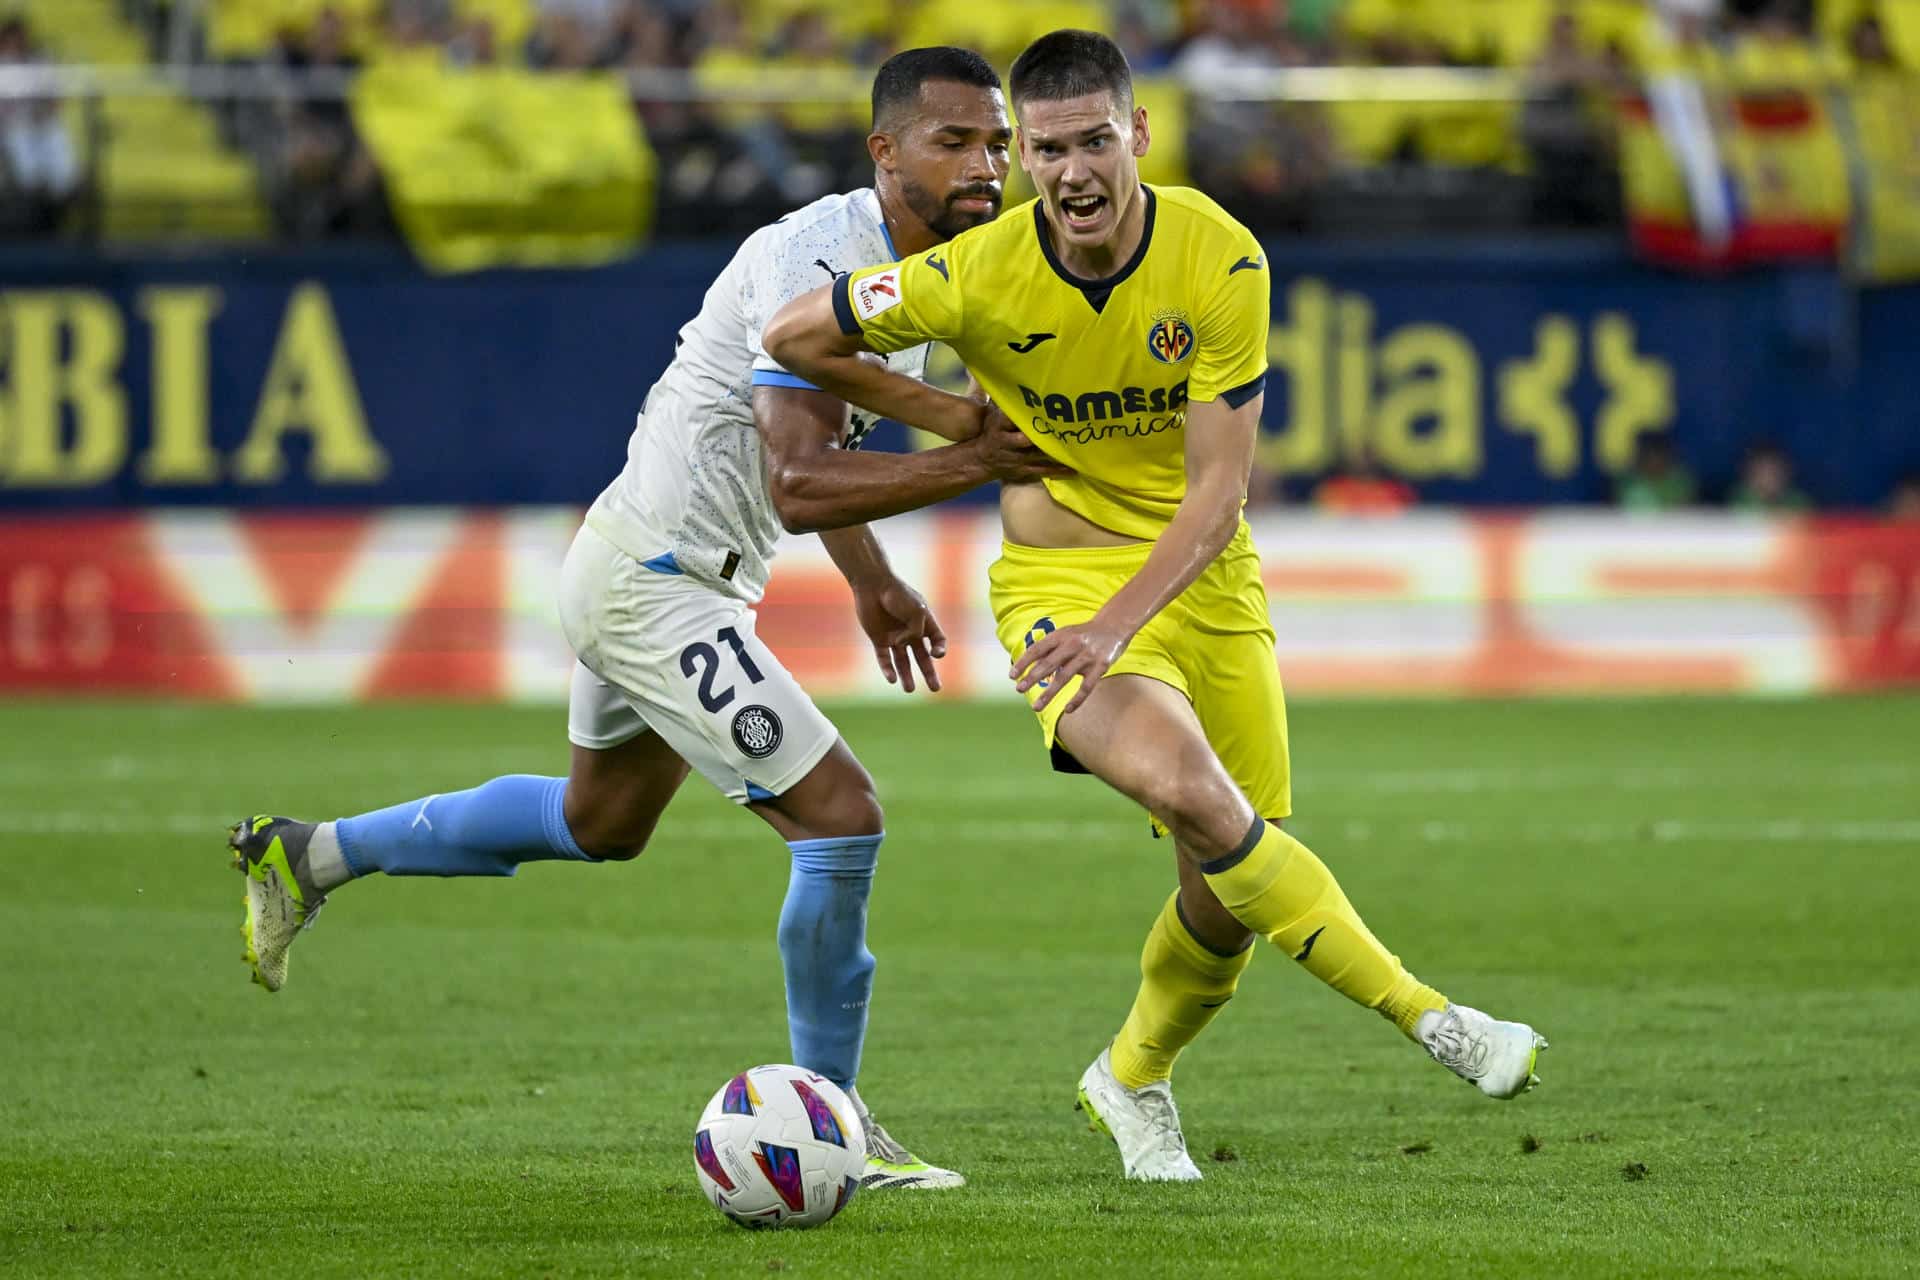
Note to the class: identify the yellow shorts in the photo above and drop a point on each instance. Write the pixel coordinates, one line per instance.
(1214, 643)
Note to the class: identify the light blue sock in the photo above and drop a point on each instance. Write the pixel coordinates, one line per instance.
(488, 831)
(823, 946)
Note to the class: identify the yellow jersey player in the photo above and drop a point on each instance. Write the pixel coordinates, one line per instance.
(1124, 329)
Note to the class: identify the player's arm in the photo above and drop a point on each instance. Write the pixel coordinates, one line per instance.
(896, 618)
(825, 337)
(1219, 456)
(817, 485)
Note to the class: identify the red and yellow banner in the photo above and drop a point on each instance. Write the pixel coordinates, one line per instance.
(457, 604)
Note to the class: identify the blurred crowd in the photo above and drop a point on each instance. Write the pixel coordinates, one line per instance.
(1345, 162)
(1337, 160)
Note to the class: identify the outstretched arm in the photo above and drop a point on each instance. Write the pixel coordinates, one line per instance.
(807, 337)
(1219, 456)
(815, 484)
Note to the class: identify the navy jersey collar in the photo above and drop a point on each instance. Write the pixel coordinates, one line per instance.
(1096, 292)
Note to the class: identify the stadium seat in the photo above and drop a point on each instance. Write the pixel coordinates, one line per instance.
(84, 31)
(163, 169)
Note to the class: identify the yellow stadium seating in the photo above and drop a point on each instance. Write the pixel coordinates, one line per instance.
(163, 170)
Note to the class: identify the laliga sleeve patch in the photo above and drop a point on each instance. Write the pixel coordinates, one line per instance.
(877, 293)
(757, 731)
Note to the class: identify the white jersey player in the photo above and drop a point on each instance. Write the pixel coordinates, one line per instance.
(657, 592)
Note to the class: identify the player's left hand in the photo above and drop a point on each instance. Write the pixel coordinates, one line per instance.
(1085, 650)
(904, 632)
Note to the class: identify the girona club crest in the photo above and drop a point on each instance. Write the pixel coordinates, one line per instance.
(1170, 340)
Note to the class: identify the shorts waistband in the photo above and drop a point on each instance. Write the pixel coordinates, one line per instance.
(1086, 557)
(1101, 557)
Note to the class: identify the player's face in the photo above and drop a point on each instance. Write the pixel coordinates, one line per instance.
(951, 158)
(1084, 157)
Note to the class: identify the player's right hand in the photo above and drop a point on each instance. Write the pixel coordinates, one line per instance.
(1011, 457)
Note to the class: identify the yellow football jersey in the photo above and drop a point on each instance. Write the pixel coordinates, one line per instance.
(1097, 372)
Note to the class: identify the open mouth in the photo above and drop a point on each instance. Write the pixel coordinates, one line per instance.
(1082, 211)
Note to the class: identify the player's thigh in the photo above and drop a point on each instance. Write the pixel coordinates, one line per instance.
(1235, 684)
(622, 773)
(1141, 737)
(835, 798)
(1035, 593)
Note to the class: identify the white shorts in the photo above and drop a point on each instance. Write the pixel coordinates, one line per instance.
(659, 651)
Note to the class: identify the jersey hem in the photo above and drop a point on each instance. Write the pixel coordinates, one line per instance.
(779, 378)
(1245, 391)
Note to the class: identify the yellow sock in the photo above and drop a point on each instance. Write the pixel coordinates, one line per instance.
(1182, 985)
(1276, 886)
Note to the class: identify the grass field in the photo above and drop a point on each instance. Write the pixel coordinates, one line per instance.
(1710, 907)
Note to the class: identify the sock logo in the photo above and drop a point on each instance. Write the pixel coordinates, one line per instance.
(757, 731)
(421, 818)
(1215, 1004)
(1311, 939)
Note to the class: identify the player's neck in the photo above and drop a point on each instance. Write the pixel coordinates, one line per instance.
(905, 232)
(1097, 262)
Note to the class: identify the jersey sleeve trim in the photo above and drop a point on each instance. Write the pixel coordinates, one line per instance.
(776, 378)
(1244, 392)
(843, 305)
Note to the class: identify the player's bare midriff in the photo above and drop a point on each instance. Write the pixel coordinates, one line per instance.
(1030, 517)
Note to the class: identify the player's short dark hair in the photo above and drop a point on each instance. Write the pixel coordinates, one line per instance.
(1071, 64)
(897, 83)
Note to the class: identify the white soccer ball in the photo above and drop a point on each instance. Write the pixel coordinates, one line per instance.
(779, 1147)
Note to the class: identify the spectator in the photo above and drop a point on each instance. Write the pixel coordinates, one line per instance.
(1657, 480)
(1867, 45)
(1266, 155)
(328, 183)
(42, 168)
(1766, 483)
(1561, 125)
(1361, 489)
(416, 28)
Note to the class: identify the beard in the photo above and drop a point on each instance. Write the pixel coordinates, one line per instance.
(938, 213)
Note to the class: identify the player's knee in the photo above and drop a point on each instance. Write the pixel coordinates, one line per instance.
(608, 833)
(854, 810)
(1198, 811)
(843, 803)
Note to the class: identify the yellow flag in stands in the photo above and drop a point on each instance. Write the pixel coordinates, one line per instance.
(488, 168)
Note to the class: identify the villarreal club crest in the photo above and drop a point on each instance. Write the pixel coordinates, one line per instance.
(1170, 339)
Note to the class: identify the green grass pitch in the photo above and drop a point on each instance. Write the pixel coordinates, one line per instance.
(1710, 907)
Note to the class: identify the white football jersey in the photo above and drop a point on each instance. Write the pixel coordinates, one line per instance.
(693, 497)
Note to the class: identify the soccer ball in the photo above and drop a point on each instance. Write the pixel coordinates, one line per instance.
(779, 1147)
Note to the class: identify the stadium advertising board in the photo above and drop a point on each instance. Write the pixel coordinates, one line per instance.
(1487, 376)
(455, 603)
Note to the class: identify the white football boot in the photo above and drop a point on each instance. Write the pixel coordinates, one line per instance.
(891, 1165)
(1496, 1057)
(1142, 1122)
